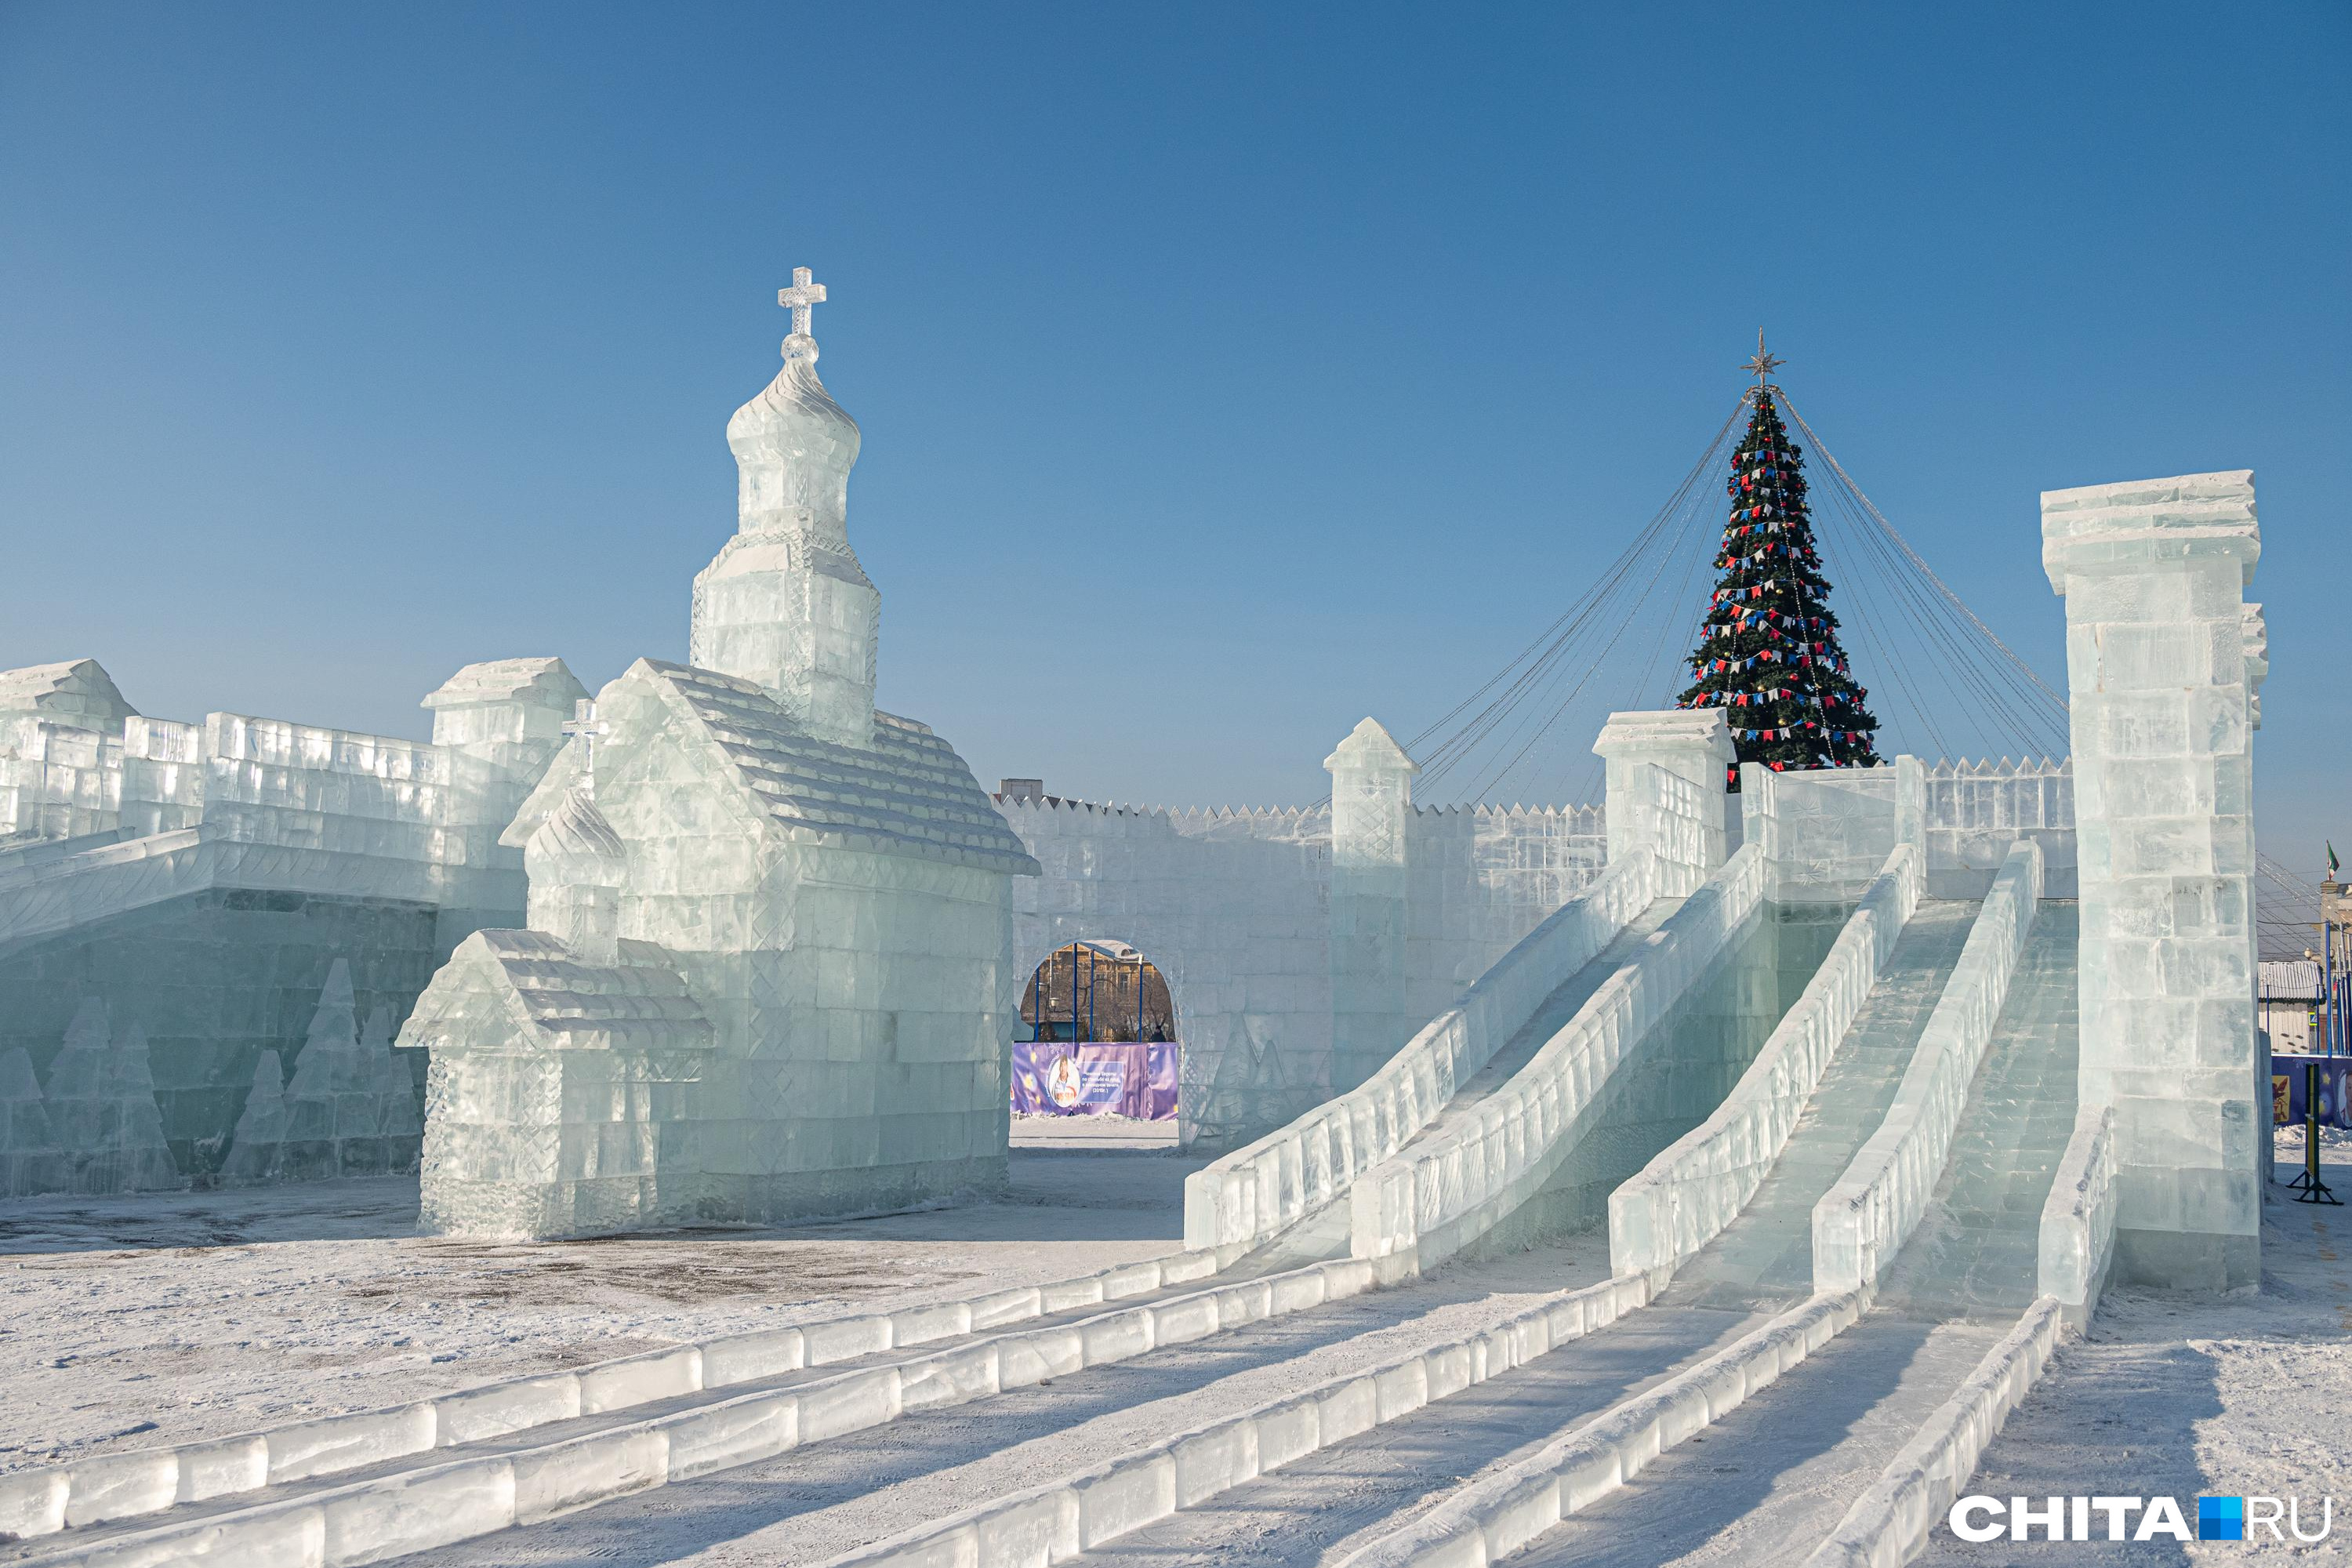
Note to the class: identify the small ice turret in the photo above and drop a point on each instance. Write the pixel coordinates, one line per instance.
(785, 605)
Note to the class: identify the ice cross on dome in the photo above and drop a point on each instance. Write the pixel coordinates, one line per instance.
(585, 725)
(800, 298)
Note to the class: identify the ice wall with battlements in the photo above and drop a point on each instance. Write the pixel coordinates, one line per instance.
(203, 883)
(1233, 905)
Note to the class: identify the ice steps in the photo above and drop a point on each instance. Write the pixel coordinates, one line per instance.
(1766, 1483)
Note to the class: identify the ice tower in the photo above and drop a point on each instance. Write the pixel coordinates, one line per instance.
(769, 967)
(785, 605)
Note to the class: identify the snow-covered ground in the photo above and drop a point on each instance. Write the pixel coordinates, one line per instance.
(128, 1322)
(2172, 1395)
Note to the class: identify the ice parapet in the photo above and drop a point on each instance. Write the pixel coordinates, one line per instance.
(101, 1107)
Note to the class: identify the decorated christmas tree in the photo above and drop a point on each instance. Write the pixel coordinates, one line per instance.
(1767, 653)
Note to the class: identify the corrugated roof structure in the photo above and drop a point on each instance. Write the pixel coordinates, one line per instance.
(2289, 980)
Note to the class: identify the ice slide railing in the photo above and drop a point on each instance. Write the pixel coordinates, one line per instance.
(1436, 1198)
(1264, 1187)
(2078, 1220)
(1862, 1221)
(1682, 1199)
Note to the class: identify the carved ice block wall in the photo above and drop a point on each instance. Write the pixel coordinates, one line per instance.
(2154, 574)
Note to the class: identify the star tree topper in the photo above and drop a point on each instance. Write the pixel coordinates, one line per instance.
(1763, 364)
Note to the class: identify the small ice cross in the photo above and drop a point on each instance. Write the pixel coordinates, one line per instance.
(583, 723)
(800, 297)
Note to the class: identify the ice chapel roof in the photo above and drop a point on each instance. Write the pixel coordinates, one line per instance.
(552, 1000)
(576, 830)
(907, 793)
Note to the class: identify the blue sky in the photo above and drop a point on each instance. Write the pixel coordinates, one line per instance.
(1226, 373)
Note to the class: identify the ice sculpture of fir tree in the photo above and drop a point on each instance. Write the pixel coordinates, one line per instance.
(1767, 653)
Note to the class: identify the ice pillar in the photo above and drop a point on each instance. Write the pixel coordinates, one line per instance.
(1372, 817)
(2154, 574)
(501, 723)
(1666, 785)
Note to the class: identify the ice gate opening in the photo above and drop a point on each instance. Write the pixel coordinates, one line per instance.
(1097, 1036)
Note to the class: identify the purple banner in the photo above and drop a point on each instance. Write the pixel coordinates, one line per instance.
(2287, 1089)
(1056, 1077)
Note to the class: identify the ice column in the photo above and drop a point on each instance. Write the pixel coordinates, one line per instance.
(1666, 789)
(785, 605)
(501, 723)
(2154, 574)
(1371, 817)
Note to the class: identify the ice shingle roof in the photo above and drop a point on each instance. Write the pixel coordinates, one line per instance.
(907, 793)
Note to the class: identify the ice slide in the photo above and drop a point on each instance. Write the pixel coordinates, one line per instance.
(1835, 1455)
(1289, 1190)
(1774, 1478)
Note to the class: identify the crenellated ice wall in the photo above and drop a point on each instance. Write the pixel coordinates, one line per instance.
(201, 880)
(1234, 907)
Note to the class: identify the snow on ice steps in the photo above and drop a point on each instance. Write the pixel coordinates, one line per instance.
(1056, 1521)
(1511, 1505)
(542, 1462)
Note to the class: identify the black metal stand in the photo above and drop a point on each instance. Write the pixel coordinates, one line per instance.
(2307, 1187)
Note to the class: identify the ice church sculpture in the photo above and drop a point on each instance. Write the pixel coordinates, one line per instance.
(727, 943)
(768, 965)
